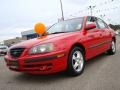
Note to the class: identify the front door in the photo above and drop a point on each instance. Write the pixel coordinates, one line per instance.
(93, 39)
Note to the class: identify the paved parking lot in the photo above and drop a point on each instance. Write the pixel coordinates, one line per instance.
(101, 73)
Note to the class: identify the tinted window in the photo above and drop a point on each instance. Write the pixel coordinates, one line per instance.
(66, 26)
(101, 23)
(105, 24)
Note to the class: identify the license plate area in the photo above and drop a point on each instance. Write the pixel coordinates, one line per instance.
(14, 67)
(13, 64)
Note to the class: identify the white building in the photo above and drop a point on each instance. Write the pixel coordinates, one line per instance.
(29, 34)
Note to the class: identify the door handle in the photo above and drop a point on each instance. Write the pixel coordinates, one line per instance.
(100, 34)
(96, 30)
(92, 36)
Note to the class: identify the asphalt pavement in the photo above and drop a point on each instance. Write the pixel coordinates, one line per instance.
(101, 73)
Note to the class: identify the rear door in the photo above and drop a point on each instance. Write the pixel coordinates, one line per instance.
(105, 35)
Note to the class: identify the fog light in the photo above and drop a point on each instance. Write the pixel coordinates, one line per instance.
(14, 67)
(42, 68)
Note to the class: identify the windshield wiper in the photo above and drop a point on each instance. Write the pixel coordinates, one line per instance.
(58, 32)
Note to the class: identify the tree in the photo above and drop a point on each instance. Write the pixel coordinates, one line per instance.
(115, 27)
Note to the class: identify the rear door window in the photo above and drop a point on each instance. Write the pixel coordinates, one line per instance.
(101, 24)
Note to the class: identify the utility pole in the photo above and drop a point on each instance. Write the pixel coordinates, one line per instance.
(91, 9)
(62, 10)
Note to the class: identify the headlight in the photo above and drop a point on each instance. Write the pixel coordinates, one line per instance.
(43, 48)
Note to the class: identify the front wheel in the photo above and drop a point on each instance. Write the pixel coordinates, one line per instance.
(76, 61)
(112, 49)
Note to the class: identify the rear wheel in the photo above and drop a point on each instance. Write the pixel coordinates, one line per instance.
(112, 49)
(76, 61)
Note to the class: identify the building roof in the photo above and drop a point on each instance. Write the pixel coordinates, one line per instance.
(27, 32)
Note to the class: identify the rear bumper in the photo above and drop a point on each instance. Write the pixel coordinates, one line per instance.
(46, 64)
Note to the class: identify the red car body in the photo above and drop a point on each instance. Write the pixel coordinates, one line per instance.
(93, 42)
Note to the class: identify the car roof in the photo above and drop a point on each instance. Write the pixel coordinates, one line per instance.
(80, 17)
(76, 18)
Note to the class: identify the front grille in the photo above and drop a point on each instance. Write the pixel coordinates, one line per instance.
(16, 52)
(13, 63)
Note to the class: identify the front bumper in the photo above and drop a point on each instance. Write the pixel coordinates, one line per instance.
(45, 64)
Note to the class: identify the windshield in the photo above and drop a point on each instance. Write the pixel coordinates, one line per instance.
(66, 26)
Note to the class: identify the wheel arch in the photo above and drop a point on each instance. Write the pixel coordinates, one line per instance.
(78, 45)
(69, 65)
(114, 38)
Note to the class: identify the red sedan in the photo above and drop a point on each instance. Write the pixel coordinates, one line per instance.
(65, 47)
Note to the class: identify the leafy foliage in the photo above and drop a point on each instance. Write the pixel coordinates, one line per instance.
(115, 27)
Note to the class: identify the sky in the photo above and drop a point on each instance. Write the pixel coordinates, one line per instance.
(21, 15)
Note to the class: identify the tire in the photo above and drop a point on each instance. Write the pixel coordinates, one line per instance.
(76, 62)
(112, 49)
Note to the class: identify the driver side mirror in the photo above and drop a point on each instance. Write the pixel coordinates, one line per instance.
(90, 26)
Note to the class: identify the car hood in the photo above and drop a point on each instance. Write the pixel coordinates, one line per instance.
(43, 39)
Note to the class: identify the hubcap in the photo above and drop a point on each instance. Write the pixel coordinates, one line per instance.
(113, 46)
(77, 61)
